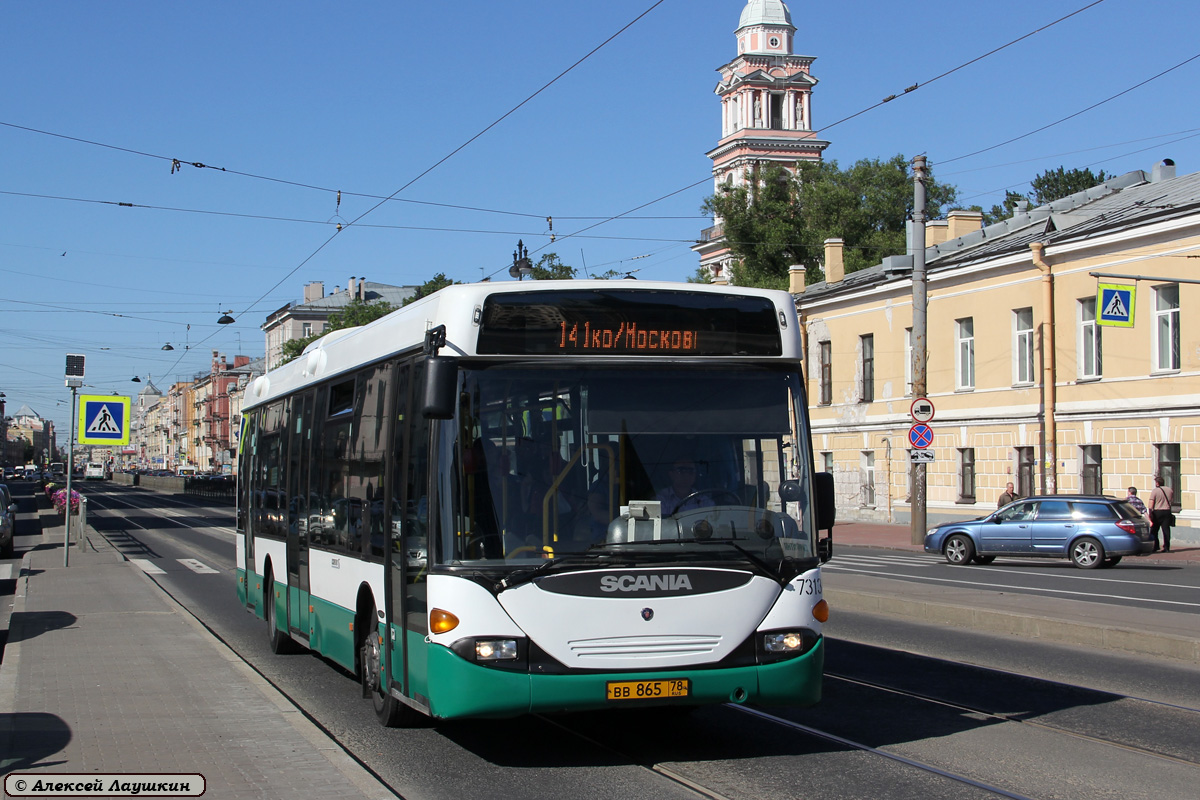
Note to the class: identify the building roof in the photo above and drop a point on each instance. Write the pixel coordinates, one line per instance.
(1127, 201)
(765, 12)
(26, 411)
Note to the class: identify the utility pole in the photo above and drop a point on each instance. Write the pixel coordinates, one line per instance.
(919, 336)
(74, 379)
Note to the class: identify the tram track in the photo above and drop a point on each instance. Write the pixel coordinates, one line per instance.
(1000, 716)
(850, 743)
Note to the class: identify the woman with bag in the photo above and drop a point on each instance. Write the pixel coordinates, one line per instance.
(1160, 513)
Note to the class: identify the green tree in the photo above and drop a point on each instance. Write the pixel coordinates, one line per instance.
(551, 268)
(1003, 211)
(356, 312)
(780, 218)
(1055, 183)
(439, 281)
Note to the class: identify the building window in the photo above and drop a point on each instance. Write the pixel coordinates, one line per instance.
(1025, 465)
(1167, 468)
(305, 330)
(1166, 327)
(1023, 345)
(867, 478)
(827, 462)
(908, 362)
(964, 365)
(868, 367)
(826, 365)
(1089, 340)
(1091, 477)
(966, 475)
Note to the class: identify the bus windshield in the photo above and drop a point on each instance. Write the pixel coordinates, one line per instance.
(654, 462)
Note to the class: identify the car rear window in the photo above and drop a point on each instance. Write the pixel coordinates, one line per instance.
(1127, 511)
(1092, 511)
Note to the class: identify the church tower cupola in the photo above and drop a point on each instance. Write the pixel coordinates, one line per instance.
(766, 28)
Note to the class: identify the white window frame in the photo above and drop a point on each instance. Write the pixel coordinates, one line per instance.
(1166, 328)
(1023, 354)
(964, 354)
(1088, 332)
(867, 478)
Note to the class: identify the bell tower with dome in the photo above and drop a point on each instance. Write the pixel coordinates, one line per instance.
(766, 113)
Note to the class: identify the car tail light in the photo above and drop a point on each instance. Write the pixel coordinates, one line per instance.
(1128, 527)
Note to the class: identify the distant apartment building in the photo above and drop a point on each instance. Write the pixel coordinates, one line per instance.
(311, 316)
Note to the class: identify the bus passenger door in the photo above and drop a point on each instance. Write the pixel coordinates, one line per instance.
(299, 451)
(408, 550)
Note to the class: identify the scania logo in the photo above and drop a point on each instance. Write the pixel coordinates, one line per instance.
(677, 582)
(647, 614)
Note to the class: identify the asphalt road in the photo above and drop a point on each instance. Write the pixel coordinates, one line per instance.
(1168, 587)
(909, 710)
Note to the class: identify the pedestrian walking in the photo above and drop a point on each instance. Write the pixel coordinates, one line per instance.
(1161, 517)
(1136, 502)
(1008, 496)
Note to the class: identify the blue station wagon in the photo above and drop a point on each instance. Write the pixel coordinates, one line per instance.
(1092, 531)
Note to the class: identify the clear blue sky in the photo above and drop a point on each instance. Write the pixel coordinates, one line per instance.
(365, 97)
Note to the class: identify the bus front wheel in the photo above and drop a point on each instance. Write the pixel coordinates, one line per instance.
(391, 712)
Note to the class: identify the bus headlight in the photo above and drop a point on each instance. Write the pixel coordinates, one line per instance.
(495, 649)
(789, 642)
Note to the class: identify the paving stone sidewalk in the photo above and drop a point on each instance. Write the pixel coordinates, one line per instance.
(104, 672)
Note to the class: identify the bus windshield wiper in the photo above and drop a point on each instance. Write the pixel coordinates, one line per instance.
(525, 576)
(770, 571)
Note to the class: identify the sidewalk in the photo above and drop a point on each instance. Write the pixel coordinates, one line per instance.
(1108, 626)
(104, 672)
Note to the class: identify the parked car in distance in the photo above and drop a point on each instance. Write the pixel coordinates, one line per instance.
(8, 510)
(1091, 530)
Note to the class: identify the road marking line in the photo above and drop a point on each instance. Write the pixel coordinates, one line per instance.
(197, 566)
(5, 572)
(147, 566)
(977, 584)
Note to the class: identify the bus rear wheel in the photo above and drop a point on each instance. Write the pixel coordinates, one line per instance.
(391, 712)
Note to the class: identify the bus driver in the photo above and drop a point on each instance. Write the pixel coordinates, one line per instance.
(679, 495)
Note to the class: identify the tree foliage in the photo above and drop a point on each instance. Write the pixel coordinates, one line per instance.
(356, 312)
(551, 268)
(439, 281)
(779, 218)
(1049, 186)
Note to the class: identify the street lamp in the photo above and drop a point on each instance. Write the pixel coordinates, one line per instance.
(521, 266)
(225, 319)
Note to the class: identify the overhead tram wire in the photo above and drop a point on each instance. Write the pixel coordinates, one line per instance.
(1109, 99)
(965, 64)
(438, 163)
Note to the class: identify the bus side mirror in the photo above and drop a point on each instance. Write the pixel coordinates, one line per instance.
(826, 512)
(441, 388)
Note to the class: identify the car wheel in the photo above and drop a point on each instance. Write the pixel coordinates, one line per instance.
(1111, 562)
(984, 559)
(959, 550)
(1087, 553)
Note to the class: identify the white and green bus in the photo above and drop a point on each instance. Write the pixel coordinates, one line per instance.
(534, 497)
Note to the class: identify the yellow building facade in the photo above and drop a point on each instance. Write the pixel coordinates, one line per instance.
(1026, 386)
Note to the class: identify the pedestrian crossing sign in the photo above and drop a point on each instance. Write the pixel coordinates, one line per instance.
(103, 419)
(1114, 305)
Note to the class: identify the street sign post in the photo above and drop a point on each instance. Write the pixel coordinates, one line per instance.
(921, 410)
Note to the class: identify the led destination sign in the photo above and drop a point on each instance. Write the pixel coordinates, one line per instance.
(628, 322)
(625, 338)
